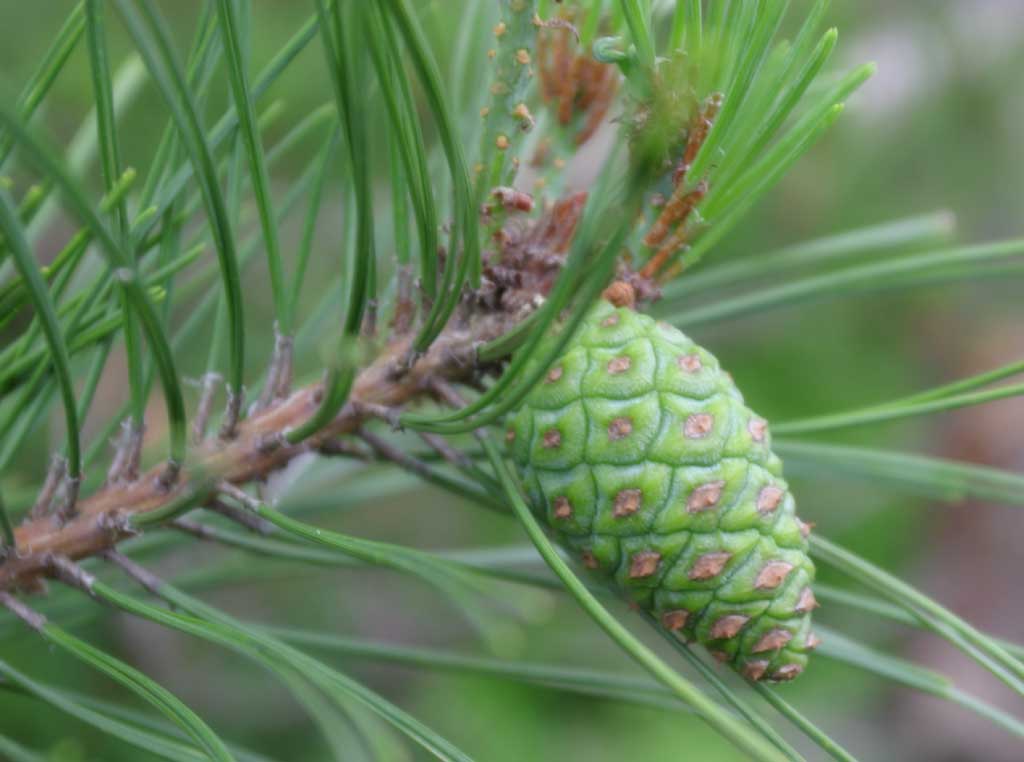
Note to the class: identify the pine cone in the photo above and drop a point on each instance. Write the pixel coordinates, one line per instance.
(637, 449)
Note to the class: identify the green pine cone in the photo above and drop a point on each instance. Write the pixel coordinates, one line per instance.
(637, 449)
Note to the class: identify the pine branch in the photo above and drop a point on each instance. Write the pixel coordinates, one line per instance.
(118, 510)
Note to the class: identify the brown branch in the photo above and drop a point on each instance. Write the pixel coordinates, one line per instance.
(102, 519)
(251, 449)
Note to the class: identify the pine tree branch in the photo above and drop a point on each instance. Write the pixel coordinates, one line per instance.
(108, 515)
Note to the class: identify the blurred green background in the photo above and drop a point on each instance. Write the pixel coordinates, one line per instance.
(938, 128)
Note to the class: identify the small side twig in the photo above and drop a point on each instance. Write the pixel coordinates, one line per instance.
(405, 309)
(245, 518)
(208, 391)
(67, 571)
(67, 508)
(285, 374)
(239, 495)
(369, 329)
(197, 530)
(141, 575)
(458, 458)
(340, 447)
(229, 426)
(440, 445)
(54, 476)
(124, 468)
(391, 415)
(447, 393)
(279, 372)
(388, 451)
(33, 619)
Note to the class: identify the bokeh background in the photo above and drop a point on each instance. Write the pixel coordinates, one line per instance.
(938, 128)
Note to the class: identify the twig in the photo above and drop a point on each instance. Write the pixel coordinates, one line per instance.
(448, 393)
(209, 385)
(125, 465)
(70, 573)
(68, 506)
(391, 415)
(245, 518)
(197, 530)
(279, 372)
(54, 475)
(388, 451)
(141, 575)
(32, 618)
(239, 495)
(344, 448)
(405, 309)
(229, 426)
(446, 451)
(284, 377)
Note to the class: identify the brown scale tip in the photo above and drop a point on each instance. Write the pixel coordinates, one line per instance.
(644, 564)
(698, 425)
(709, 565)
(705, 497)
(620, 428)
(554, 374)
(757, 428)
(552, 439)
(720, 656)
(619, 365)
(773, 640)
(589, 559)
(787, 672)
(754, 670)
(768, 498)
(627, 502)
(728, 626)
(772, 575)
(620, 294)
(562, 507)
(675, 620)
(611, 320)
(806, 602)
(689, 363)
(510, 436)
(813, 641)
(805, 528)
